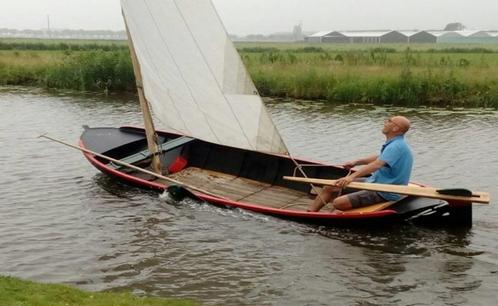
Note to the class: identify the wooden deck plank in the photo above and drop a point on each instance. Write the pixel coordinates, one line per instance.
(274, 196)
(254, 192)
(237, 188)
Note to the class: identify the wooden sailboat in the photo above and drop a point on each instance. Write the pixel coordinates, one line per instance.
(220, 140)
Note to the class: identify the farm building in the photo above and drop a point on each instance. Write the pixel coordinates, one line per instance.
(478, 36)
(448, 36)
(376, 37)
(408, 33)
(394, 37)
(335, 37)
(358, 37)
(465, 36)
(317, 37)
(422, 37)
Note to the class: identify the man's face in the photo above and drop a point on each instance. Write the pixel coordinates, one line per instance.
(389, 126)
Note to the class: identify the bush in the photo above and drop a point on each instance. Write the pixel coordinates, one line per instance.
(95, 70)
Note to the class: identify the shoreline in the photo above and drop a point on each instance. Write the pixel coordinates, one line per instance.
(16, 291)
(455, 76)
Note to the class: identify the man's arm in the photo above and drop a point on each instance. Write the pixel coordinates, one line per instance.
(360, 161)
(365, 170)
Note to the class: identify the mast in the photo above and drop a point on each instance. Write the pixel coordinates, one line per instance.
(150, 131)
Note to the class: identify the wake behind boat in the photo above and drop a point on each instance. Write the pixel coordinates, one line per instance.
(222, 141)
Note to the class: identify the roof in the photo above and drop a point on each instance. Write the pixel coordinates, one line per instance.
(364, 33)
(474, 33)
(320, 34)
(409, 32)
(445, 33)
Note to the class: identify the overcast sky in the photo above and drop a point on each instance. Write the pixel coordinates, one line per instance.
(244, 17)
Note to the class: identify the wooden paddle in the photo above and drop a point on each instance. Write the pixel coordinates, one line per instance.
(426, 192)
(176, 190)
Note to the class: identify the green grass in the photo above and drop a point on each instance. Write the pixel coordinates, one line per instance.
(362, 46)
(80, 70)
(61, 44)
(447, 75)
(14, 291)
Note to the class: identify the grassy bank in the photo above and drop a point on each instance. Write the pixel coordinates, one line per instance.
(439, 75)
(61, 44)
(14, 291)
(79, 70)
(425, 74)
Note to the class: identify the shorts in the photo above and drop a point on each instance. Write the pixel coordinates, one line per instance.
(364, 197)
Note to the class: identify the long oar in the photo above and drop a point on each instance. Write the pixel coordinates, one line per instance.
(117, 161)
(426, 192)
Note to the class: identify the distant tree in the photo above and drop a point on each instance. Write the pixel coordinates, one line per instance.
(454, 26)
(297, 32)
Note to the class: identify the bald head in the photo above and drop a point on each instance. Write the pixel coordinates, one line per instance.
(402, 123)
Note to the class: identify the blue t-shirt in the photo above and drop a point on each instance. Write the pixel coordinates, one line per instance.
(397, 155)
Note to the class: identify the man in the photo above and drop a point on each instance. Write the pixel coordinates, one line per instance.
(392, 166)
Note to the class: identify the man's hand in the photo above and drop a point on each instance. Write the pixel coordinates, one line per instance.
(348, 165)
(343, 182)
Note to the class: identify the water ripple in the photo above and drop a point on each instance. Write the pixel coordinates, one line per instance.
(61, 221)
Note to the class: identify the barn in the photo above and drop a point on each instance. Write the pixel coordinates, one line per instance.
(479, 37)
(422, 37)
(317, 37)
(448, 36)
(335, 37)
(388, 36)
(373, 37)
(394, 37)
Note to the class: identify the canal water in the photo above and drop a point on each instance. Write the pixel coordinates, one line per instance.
(62, 221)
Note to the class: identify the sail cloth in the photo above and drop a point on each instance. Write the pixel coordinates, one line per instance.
(193, 77)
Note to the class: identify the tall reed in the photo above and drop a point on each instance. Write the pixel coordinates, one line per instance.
(378, 75)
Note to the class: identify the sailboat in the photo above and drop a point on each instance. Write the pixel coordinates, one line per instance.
(217, 140)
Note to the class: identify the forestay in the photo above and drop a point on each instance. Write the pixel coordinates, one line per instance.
(193, 77)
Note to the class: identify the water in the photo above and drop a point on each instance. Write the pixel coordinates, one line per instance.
(62, 221)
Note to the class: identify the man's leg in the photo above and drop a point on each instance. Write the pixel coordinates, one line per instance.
(357, 199)
(323, 198)
(342, 203)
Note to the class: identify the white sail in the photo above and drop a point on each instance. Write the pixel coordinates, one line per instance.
(193, 77)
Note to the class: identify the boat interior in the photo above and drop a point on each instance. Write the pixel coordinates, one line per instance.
(232, 173)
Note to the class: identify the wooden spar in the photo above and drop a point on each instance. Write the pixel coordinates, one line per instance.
(122, 163)
(426, 192)
(150, 131)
